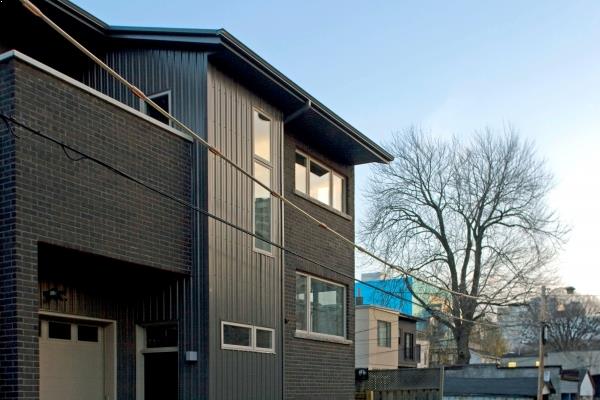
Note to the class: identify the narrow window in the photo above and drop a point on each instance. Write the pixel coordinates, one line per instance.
(300, 173)
(384, 334)
(163, 100)
(326, 308)
(301, 303)
(409, 346)
(319, 183)
(262, 136)
(263, 339)
(59, 330)
(337, 192)
(261, 130)
(235, 335)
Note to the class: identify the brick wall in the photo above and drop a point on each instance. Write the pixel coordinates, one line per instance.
(79, 205)
(315, 368)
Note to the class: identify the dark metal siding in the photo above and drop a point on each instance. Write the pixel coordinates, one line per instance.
(184, 74)
(245, 286)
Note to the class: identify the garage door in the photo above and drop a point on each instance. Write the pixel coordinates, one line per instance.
(71, 361)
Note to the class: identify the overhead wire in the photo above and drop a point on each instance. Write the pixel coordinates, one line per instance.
(141, 95)
(81, 155)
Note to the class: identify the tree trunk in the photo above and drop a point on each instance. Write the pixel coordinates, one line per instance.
(461, 336)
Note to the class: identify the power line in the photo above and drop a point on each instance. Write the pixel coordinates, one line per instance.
(81, 155)
(141, 95)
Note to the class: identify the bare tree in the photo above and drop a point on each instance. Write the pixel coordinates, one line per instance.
(468, 216)
(573, 322)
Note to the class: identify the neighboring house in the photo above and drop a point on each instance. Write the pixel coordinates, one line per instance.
(589, 360)
(577, 384)
(385, 339)
(110, 290)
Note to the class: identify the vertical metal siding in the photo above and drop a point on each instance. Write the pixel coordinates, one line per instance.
(184, 74)
(245, 286)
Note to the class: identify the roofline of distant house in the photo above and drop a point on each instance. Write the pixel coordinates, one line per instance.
(390, 310)
(228, 41)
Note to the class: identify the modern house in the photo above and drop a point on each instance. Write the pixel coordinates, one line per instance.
(376, 289)
(385, 338)
(115, 282)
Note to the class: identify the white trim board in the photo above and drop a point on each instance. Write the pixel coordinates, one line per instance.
(67, 79)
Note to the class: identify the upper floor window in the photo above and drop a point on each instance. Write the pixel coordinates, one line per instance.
(320, 306)
(163, 100)
(384, 334)
(409, 346)
(320, 182)
(261, 133)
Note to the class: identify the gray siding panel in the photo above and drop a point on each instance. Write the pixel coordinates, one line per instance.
(245, 285)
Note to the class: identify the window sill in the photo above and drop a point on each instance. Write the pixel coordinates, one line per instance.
(321, 338)
(323, 205)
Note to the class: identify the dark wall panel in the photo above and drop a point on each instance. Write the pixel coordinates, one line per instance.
(245, 286)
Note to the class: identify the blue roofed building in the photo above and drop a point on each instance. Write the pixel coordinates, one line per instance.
(398, 297)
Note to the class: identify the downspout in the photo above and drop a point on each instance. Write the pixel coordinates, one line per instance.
(282, 256)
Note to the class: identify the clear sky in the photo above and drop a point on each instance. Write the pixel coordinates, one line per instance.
(449, 66)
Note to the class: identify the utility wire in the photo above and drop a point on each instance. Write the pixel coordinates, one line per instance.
(140, 94)
(81, 155)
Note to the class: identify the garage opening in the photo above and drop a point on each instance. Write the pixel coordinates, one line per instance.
(76, 358)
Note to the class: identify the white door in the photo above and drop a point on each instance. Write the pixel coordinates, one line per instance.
(71, 361)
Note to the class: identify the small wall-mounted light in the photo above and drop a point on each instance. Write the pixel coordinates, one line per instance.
(54, 294)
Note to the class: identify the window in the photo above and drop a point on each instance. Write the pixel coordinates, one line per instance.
(384, 334)
(325, 311)
(87, 333)
(409, 346)
(247, 337)
(59, 330)
(320, 183)
(261, 128)
(163, 335)
(163, 100)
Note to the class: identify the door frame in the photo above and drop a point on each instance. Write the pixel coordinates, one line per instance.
(109, 331)
(141, 350)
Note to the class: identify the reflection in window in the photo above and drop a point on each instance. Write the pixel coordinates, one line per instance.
(300, 173)
(319, 183)
(262, 136)
(301, 302)
(264, 339)
(337, 192)
(262, 208)
(326, 308)
(384, 334)
(234, 335)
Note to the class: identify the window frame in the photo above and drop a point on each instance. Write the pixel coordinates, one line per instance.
(144, 106)
(309, 331)
(268, 165)
(332, 172)
(252, 347)
(388, 337)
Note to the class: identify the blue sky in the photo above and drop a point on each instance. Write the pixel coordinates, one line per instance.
(449, 66)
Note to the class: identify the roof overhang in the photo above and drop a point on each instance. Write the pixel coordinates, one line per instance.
(315, 123)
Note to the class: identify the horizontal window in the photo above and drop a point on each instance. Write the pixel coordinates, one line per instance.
(320, 306)
(320, 183)
(163, 335)
(59, 330)
(247, 337)
(87, 333)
